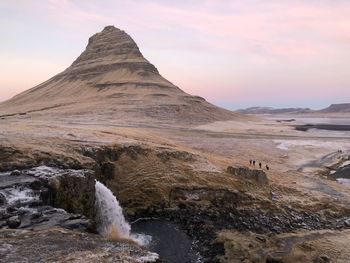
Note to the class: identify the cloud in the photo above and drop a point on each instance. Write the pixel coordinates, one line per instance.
(67, 11)
(274, 28)
(283, 29)
(216, 47)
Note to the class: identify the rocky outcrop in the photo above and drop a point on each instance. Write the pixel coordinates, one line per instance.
(63, 245)
(13, 222)
(74, 193)
(301, 246)
(18, 158)
(2, 199)
(257, 176)
(202, 196)
(43, 197)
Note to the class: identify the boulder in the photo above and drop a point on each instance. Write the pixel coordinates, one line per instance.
(323, 259)
(2, 199)
(273, 259)
(73, 193)
(347, 222)
(15, 172)
(14, 222)
(4, 214)
(258, 176)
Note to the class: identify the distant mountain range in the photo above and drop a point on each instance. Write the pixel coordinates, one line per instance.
(270, 110)
(334, 108)
(342, 107)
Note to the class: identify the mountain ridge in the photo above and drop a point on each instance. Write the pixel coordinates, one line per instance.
(333, 108)
(336, 108)
(271, 110)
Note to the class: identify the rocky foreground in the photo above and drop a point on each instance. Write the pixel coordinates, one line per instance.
(63, 245)
(233, 215)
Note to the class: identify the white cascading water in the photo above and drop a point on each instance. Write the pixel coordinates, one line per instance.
(110, 216)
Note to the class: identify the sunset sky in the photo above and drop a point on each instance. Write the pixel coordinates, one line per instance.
(280, 53)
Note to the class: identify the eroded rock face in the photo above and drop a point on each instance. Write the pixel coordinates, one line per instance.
(203, 196)
(73, 193)
(258, 176)
(109, 50)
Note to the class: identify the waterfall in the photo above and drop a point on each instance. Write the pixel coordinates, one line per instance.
(110, 218)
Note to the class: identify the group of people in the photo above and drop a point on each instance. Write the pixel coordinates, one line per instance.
(252, 162)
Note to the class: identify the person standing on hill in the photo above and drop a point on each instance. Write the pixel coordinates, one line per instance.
(267, 167)
(254, 162)
(260, 165)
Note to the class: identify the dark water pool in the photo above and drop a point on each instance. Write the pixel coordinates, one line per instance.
(168, 240)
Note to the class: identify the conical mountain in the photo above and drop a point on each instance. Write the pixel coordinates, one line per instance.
(112, 80)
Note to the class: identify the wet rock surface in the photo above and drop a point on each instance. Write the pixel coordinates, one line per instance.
(73, 192)
(30, 199)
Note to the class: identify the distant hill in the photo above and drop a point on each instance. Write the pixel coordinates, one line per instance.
(111, 80)
(337, 108)
(270, 110)
(333, 108)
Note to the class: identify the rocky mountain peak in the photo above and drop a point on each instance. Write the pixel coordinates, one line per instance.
(109, 46)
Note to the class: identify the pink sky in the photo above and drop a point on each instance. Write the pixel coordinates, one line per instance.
(233, 53)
